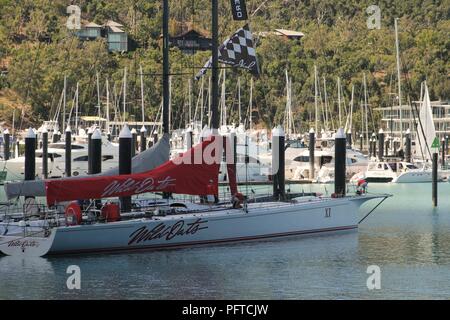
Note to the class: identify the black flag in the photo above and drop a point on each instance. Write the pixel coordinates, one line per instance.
(239, 10)
(238, 51)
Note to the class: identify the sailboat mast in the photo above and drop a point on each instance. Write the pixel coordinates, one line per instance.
(124, 92)
(98, 98)
(165, 113)
(223, 107)
(13, 122)
(202, 106)
(326, 101)
(142, 96)
(107, 106)
(170, 102)
(209, 102)
(76, 109)
(366, 109)
(351, 111)
(316, 107)
(339, 101)
(397, 49)
(214, 64)
(190, 101)
(239, 100)
(250, 104)
(287, 117)
(64, 105)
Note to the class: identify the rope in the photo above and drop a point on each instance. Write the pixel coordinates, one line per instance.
(373, 209)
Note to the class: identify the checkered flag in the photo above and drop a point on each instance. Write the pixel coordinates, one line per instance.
(238, 51)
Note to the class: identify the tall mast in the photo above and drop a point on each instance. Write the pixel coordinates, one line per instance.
(286, 110)
(209, 101)
(326, 101)
(202, 105)
(98, 97)
(142, 96)
(165, 113)
(214, 65)
(316, 107)
(351, 112)
(366, 109)
(223, 107)
(107, 106)
(399, 82)
(170, 103)
(76, 109)
(64, 105)
(13, 131)
(124, 92)
(250, 104)
(190, 100)
(339, 101)
(239, 99)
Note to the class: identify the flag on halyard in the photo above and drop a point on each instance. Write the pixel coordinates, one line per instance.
(237, 51)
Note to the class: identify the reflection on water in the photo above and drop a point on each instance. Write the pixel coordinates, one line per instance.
(406, 237)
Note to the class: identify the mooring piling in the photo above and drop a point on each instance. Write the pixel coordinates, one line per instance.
(125, 148)
(312, 142)
(339, 163)
(68, 159)
(380, 144)
(6, 145)
(143, 139)
(30, 155)
(434, 189)
(44, 135)
(278, 140)
(133, 142)
(408, 145)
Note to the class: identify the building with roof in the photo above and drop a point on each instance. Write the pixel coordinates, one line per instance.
(191, 41)
(287, 34)
(390, 118)
(89, 31)
(116, 37)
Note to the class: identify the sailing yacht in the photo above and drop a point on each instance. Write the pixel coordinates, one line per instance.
(398, 171)
(172, 224)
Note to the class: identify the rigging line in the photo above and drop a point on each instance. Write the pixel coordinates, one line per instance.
(69, 49)
(408, 82)
(370, 109)
(373, 209)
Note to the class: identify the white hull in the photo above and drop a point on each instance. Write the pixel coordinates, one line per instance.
(263, 220)
(415, 176)
(15, 168)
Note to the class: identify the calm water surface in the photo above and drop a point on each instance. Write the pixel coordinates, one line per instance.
(405, 237)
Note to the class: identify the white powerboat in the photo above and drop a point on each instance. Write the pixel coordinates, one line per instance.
(14, 168)
(396, 172)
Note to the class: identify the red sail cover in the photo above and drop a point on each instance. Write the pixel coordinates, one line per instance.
(195, 172)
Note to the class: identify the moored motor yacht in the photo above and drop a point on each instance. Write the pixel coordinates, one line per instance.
(396, 172)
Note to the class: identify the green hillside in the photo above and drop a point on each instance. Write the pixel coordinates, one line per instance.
(37, 50)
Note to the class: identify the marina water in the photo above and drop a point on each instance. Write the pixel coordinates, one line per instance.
(406, 237)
